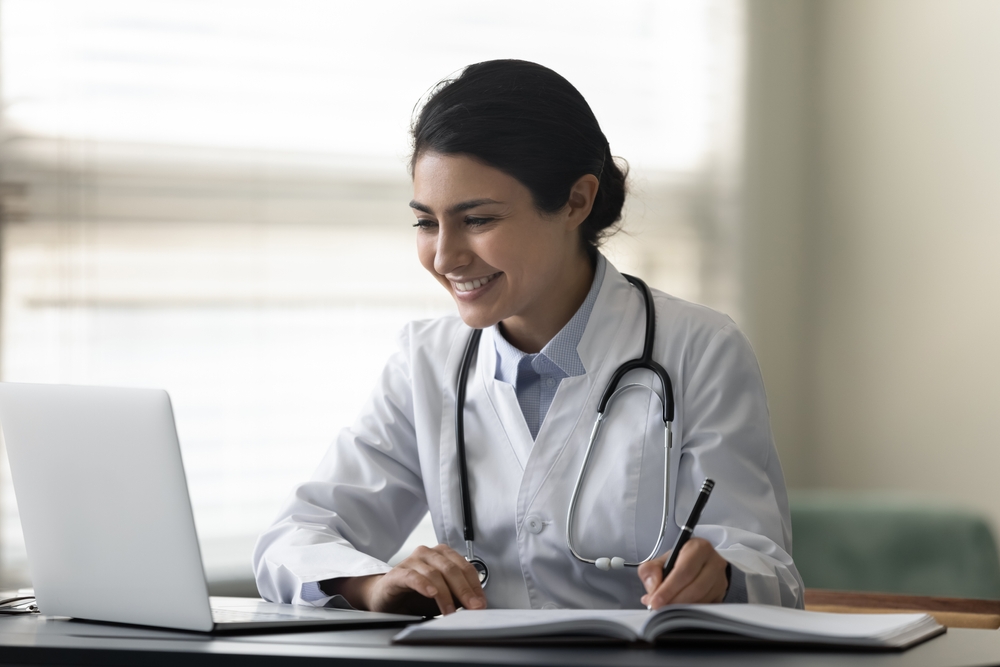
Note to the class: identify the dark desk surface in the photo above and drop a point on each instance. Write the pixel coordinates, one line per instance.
(38, 640)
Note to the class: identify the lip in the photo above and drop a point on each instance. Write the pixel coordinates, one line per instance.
(474, 294)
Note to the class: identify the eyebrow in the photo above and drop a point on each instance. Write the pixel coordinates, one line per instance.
(457, 208)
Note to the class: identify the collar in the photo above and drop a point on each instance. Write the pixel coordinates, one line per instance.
(562, 349)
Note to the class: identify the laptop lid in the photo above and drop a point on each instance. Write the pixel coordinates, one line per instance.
(104, 505)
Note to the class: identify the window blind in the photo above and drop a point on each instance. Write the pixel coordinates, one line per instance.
(211, 197)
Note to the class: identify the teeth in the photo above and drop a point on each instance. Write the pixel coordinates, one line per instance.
(473, 284)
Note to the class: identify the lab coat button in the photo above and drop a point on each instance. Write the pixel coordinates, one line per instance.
(534, 524)
(550, 605)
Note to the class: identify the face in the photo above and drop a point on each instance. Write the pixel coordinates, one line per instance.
(480, 235)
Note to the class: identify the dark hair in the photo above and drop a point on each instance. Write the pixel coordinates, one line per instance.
(531, 123)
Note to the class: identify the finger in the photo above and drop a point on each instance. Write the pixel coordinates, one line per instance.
(413, 563)
(412, 580)
(651, 572)
(690, 561)
(477, 599)
(459, 575)
(404, 591)
(442, 595)
(433, 564)
(709, 586)
(438, 588)
(468, 570)
(446, 576)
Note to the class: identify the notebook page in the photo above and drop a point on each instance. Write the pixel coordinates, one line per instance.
(793, 622)
(500, 623)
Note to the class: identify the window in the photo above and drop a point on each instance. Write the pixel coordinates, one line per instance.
(211, 197)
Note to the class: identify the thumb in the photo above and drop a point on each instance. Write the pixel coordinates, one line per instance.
(651, 573)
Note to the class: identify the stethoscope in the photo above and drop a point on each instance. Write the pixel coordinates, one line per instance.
(645, 362)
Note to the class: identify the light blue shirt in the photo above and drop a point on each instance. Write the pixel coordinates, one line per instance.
(536, 377)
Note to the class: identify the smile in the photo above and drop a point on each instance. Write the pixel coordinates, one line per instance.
(473, 284)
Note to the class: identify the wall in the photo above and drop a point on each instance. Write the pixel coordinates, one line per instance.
(873, 217)
(776, 186)
(906, 306)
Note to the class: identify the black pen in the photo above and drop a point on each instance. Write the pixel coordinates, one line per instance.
(688, 529)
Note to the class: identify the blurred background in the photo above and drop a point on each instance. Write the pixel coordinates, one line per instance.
(211, 197)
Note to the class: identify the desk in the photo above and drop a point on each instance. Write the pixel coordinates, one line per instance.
(950, 612)
(37, 640)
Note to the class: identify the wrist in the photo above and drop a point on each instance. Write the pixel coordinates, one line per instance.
(356, 590)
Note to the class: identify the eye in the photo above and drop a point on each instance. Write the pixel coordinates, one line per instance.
(424, 223)
(475, 222)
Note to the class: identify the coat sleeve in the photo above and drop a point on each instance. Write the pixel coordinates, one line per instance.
(727, 437)
(360, 505)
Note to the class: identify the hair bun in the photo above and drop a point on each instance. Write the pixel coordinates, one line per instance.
(531, 123)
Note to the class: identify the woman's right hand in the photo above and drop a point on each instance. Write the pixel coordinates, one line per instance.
(430, 581)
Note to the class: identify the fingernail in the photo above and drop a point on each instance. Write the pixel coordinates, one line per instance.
(477, 603)
(431, 591)
(649, 583)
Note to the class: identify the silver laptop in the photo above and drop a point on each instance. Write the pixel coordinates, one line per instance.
(107, 520)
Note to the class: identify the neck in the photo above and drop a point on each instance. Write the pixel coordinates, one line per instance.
(530, 332)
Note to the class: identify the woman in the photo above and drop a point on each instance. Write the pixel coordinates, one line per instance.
(514, 186)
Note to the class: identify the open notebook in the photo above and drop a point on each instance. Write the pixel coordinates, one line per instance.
(751, 621)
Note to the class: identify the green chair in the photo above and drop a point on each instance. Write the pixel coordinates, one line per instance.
(892, 544)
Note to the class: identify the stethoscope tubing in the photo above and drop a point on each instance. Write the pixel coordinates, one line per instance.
(463, 467)
(618, 563)
(468, 533)
(645, 362)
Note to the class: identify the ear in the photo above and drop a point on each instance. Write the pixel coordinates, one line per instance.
(581, 200)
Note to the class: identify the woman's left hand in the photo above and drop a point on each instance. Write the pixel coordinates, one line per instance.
(698, 576)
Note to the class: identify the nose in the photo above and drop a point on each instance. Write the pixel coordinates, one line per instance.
(452, 251)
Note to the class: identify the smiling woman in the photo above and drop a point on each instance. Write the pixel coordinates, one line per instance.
(513, 160)
(514, 186)
(501, 258)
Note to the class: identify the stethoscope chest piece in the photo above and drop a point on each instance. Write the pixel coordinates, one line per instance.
(478, 563)
(481, 570)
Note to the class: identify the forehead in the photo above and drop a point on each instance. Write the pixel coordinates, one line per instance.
(445, 180)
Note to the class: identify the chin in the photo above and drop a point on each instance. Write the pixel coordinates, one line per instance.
(476, 320)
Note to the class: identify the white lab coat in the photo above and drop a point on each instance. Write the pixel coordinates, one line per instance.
(399, 460)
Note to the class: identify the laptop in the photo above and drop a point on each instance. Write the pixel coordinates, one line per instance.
(107, 520)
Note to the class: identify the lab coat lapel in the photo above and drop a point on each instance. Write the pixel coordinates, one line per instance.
(611, 337)
(574, 406)
(495, 432)
(504, 402)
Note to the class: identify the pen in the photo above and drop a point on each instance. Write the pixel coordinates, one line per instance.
(688, 529)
